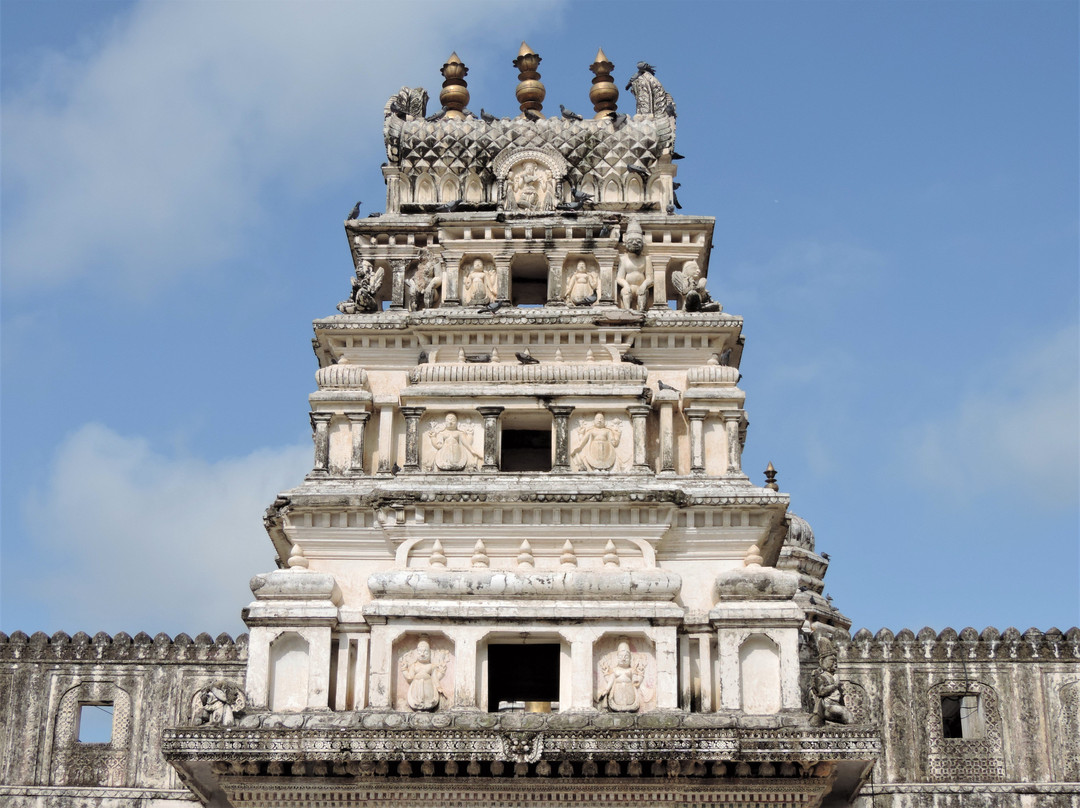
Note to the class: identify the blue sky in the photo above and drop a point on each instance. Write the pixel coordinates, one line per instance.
(895, 187)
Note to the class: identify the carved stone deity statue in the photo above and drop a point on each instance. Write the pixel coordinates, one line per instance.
(826, 691)
(622, 680)
(530, 187)
(217, 705)
(689, 283)
(481, 284)
(425, 286)
(597, 441)
(634, 278)
(581, 286)
(365, 289)
(423, 670)
(453, 445)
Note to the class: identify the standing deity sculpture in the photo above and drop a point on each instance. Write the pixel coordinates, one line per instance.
(423, 670)
(826, 691)
(597, 441)
(634, 278)
(581, 286)
(365, 289)
(623, 677)
(481, 285)
(530, 187)
(689, 283)
(425, 286)
(453, 444)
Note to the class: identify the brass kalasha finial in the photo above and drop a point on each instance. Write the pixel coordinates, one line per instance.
(455, 92)
(604, 94)
(530, 91)
(770, 478)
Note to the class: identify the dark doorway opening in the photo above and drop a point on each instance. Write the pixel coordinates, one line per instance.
(526, 450)
(522, 673)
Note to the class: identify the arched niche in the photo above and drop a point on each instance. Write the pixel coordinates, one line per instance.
(424, 190)
(759, 675)
(474, 190)
(451, 189)
(289, 672)
(423, 672)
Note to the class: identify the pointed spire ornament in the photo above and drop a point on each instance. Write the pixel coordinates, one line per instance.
(770, 478)
(611, 557)
(530, 91)
(455, 92)
(525, 555)
(568, 559)
(296, 557)
(753, 557)
(479, 554)
(604, 94)
(437, 557)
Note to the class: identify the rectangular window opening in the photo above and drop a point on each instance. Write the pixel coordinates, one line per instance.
(526, 450)
(96, 722)
(961, 716)
(523, 677)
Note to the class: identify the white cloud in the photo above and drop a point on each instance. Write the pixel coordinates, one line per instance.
(155, 152)
(1015, 432)
(140, 540)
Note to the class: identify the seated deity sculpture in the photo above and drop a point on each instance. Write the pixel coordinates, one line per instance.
(453, 446)
(597, 441)
(634, 278)
(481, 284)
(581, 286)
(423, 671)
(531, 188)
(622, 680)
(826, 692)
(689, 283)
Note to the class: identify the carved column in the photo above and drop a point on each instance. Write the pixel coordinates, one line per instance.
(667, 654)
(451, 288)
(705, 686)
(666, 400)
(397, 284)
(386, 440)
(502, 274)
(412, 437)
(556, 259)
(491, 437)
(639, 415)
(731, 427)
(561, 416)
(697, 439)
(659, 286)
(357, 427)
(581, 676)
(608, 260)
(320, 424)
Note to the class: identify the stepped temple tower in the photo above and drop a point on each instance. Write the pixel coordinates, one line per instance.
(527, 567)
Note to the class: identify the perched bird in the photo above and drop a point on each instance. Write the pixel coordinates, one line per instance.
(670, 209)
(581, 196)
(804, 589)
(375, 214)
(645, 67)
(675, 200)
(605, 231)
(478, 358)
(422, 359)
(438, 116)
(826, 556)
(669, 109)
(532, 115)
(526, 358)
(394, 469)
(725, 357)
(618, 120)
(676, 156)
(448, 207)
(492, 307)
(650, 206)
(569, 206)
(589, 300)
(633, 360)
(355, 211)
(395, 108)
(487, 116)
(570, 116)
(676, 186)
(663, 386)
(638, 170)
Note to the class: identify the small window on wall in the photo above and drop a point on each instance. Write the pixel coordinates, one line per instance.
(96, 722)
(961, 716)
(523, 677)
(526, 450)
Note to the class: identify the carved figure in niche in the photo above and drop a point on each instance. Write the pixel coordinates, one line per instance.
(217, 705)
(689, 283)
(597, 441)
(581, 286)
(424, 669)
(651, 97)
(826, 692)
(531, 187)
(425, 286)
(481, 284)
(365, 289)
(622, 679)
(453, 445)
(634, 278)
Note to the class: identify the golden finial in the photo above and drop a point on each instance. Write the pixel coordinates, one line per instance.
(604, 94)
(530, 90)
(770, 478)
(455, 92)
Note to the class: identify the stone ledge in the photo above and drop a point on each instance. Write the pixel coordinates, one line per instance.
(1004, 646)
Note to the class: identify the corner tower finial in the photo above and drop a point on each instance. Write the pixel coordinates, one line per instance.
(604, 94)
(455, 92)
(530, 91)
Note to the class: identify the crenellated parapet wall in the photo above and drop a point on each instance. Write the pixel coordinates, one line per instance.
(1032, 645)
(122, 647)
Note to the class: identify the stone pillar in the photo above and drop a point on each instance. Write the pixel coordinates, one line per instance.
(685, 699)
(704, 644)
(412, 437)
(659, 285)
(697, 439)
(451, 288)
(608, 260)
(667, 685)
(502, 273)
(397, 283)
(666, 400)
(320, 424)
(581, 678)
(731, 427)
(561, 416)
(555, 277)
(380, 677)
(639, 415)
(491, 437)
(341, 684)
(465, 672)
(386, 440)
(357, 427)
